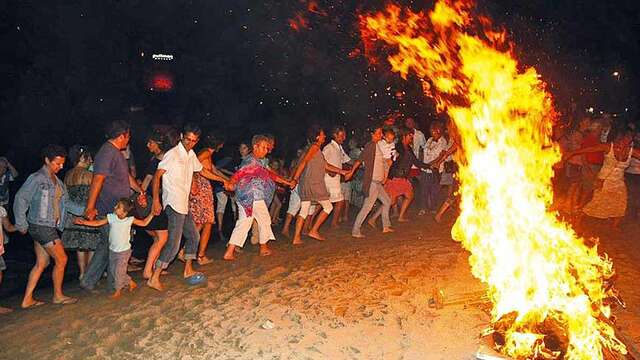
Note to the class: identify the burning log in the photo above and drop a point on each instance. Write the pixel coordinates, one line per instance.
(440, 299)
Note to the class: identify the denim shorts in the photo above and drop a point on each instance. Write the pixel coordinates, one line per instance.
(43, 235)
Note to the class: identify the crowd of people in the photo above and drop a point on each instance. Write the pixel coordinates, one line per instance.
(181, 197)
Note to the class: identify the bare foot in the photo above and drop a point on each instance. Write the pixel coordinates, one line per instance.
(132, 285)
(285, 232)
(372, 224)
(438, 218)
(387, 230)
(229, 254)
(357, 236)
(4, 310)
(181, 255)
(31, 303)
(116, 295)
(403, 220)
(156, 285)
(297, 241)
(203, 260)
(264, 250)
(316, 235)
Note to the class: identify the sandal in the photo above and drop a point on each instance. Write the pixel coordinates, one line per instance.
(203, 260)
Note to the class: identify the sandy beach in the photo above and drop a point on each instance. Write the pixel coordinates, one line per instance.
(339, 299)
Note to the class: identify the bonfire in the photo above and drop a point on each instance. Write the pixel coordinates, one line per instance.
(550, 290)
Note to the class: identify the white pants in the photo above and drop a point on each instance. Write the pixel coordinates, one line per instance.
(306, 208)
(261, 216)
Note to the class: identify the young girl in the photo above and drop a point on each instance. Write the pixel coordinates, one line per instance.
(119, 242)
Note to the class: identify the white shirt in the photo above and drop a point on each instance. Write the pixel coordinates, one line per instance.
(433, 149)
(419, 141)
(179, 166)
(119, 232)
(388, 150)
(335, 155)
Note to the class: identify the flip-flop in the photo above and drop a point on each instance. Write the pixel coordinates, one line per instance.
(67, 301)
(195, 279)
(35, 304)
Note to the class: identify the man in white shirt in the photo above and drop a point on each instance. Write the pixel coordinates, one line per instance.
(176, 172)
(334, 154)
(430, 178)
(419, 140)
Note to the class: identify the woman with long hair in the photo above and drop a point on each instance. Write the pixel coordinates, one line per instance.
(312, 187)
(81, 238)
(201, 198)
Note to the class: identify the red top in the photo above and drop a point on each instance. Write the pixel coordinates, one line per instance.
(594, 158)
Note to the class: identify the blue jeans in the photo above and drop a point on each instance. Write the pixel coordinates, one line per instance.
(99, 261)
(179, 224)
(431, 190)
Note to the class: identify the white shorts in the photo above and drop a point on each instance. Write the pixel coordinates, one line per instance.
(334, 188)
(306, 208)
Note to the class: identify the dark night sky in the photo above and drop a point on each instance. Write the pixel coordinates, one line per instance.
(240, 67)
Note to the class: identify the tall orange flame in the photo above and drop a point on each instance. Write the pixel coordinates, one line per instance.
(536, 268)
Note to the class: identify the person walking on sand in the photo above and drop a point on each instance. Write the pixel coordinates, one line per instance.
(254, 185)
(40, 207)
(335, 155)
(609, 199)
(111, 181)
(175, 172)
(375, 176)
(311, 171)
(120, 223)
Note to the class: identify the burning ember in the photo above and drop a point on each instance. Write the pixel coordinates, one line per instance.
(550, 292)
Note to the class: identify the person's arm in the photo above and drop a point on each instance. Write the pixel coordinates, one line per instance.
(212, 176)
(636, 153)
(22, 202)
(7, 225)
(313, 149)
(589, 149)
(92, 223)
(146, 182)
(157, 206)
(226, 172)
(280, 180)
(337, 170)
(133, 183)
(143, 222)
(97, 182)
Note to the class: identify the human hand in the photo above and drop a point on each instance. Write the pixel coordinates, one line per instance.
(229, 186)
(90, 213)
(293, 183)
(142, 200)
(78, 220)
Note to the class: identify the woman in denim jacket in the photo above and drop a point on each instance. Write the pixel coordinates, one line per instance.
(40, 207)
